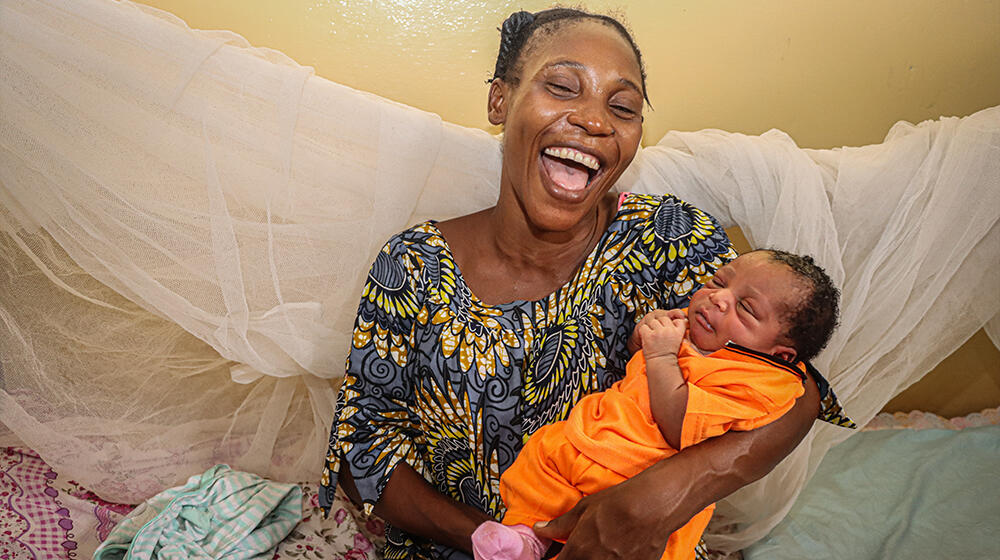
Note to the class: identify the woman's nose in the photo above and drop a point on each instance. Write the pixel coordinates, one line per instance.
(593, 118)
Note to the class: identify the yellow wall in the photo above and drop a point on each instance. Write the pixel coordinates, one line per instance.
(828, 73)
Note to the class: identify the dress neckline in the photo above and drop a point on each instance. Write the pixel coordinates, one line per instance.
(460, 278)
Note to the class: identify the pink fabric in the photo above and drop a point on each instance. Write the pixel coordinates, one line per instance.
(43, 515)
(621, 198)
(494, 541)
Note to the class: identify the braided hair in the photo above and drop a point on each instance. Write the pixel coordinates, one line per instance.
(520, 27)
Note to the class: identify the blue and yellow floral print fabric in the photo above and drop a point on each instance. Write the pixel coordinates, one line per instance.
(453, 387)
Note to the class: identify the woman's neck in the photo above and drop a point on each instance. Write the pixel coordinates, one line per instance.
(525, 245)
(504, 258)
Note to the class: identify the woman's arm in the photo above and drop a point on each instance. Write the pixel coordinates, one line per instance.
(377, 424)
(410, 503)
(635, 518)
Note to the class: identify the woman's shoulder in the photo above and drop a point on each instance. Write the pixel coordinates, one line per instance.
(399, 276)
(669, 220)
(412, 258)
(418, 240)
(673, 235)
(423, 233)
(667, 213)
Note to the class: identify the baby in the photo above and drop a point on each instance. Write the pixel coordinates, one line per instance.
(733, 360)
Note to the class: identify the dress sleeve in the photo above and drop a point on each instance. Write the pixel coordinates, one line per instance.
(374, 427)
(686, 246)
(737, 399)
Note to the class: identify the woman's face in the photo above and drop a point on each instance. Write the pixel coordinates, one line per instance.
(571, 125)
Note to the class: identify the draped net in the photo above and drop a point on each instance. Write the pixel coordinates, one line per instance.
(187, 221)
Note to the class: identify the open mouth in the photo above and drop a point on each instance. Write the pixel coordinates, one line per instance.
(568, 168)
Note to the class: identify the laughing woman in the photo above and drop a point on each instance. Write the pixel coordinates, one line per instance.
(474, 332)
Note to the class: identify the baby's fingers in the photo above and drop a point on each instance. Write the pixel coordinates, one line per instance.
(677, 313)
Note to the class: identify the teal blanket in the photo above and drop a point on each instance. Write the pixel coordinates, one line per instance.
(897, 494)
(219, 514)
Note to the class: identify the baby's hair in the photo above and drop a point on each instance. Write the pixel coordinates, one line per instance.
(518, 29)
(812, 321)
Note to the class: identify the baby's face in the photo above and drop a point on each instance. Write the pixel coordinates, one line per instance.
(745, 303)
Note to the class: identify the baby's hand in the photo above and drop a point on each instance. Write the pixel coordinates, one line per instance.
(635, 340)
(662, 334)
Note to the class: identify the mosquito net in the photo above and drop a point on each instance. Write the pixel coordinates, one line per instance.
(187, 221)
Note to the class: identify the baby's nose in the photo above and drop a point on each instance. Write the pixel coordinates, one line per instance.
(720, 299)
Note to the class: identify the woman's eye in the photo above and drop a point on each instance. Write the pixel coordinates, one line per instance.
(623, 110)
(560, 88)
(747, 308)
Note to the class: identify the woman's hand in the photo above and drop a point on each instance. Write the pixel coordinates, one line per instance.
(410, 503)
(635, 518)
(618, 522)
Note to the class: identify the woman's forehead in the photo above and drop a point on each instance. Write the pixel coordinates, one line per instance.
(582, 43)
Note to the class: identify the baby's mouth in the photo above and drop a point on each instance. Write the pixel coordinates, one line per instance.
(568, 168)
(703, 321)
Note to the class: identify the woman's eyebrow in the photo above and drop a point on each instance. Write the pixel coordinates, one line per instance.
(574, 64)
(566, 62)
(630, 84)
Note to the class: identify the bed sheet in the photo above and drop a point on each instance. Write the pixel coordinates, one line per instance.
(929, 491)
(44, 515)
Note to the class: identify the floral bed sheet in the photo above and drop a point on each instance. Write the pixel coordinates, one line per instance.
(45, 516)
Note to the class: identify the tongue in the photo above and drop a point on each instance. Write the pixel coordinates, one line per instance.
(569, 175)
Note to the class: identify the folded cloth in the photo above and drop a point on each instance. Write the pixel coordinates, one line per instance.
(219, 514)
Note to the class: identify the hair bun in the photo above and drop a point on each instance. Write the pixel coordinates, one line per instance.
(515, 23)
(511, 36)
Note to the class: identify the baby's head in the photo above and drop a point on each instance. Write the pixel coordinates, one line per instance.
(768, 300)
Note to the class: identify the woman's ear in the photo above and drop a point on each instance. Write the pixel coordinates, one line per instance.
(496, 105)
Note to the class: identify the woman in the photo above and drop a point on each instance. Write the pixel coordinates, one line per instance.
(474, 332)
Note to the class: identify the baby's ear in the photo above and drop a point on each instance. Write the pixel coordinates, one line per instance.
(786, 353)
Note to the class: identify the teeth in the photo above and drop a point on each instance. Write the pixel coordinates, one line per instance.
(574, 155)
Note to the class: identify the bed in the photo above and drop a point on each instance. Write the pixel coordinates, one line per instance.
(908, 485)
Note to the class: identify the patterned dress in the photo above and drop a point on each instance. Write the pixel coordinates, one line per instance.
(453, 387)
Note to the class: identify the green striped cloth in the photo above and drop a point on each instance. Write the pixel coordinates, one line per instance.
(219, 514)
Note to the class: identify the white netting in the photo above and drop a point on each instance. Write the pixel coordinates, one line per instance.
(186, 223)
(910, 230)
